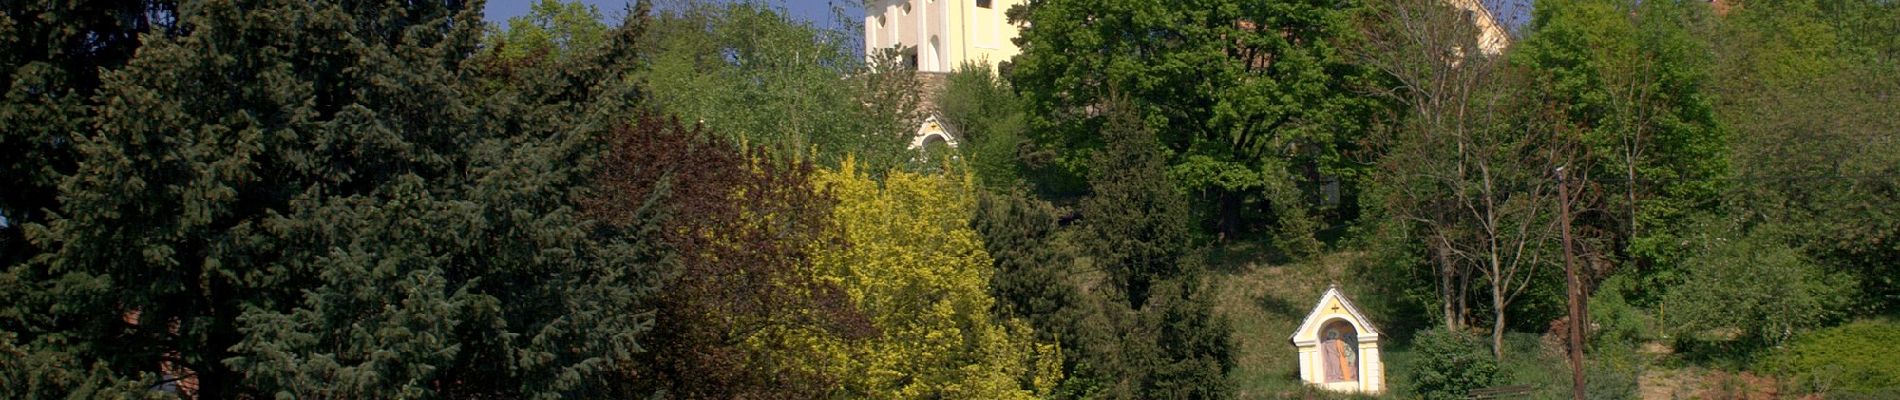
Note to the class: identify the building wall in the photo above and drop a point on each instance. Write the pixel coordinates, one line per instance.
(945, 33)
(948, 33)
(1492, 39)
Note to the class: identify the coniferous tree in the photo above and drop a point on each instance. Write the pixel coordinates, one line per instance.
(315, 199)
(1136, 220)
(1166, 341)
(52, 57)
(1031, 280)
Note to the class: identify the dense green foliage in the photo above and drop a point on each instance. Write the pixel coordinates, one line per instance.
(1843, 360)
(1157, 334)
(551, 29)
(1138, 250)
(1717, 201)
(1753, 283)
(990, 122)
(268, 198)
(1450, 364)
(1251, 99)
(300, 199)
(911, 259)
(749, 71)
(1468, 172)
(1807, 86)
(1031, 279)
(1632, 82)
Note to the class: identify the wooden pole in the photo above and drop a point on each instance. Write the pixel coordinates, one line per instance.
(1573, 289)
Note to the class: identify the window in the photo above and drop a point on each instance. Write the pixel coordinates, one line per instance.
(985, 3)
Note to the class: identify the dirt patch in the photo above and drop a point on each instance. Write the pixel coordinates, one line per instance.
(1657, 384)
(1711, 385)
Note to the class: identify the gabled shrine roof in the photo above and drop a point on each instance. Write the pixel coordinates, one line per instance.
(1332, 292)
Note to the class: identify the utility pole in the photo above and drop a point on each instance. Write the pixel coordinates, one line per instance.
(1573, 289)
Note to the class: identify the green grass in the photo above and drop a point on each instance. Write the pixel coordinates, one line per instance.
(1266, 303)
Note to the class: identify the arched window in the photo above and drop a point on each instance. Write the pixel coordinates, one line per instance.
(1339, 346)
(934, 59)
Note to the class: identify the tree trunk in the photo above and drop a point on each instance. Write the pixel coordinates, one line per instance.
(1497, 322)
(1445, 289)
(1464, 299)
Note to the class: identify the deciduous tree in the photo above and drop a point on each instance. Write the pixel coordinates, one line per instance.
(914, 265)
(746, 226)
(1252, 100)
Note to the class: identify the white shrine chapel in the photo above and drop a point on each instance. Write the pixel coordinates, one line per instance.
(1339, 347)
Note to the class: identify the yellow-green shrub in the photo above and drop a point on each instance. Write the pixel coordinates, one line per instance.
(914, 266)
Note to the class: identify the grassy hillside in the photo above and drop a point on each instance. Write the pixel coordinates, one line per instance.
(1266, 303)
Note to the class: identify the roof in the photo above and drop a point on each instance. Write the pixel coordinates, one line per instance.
(1332, 291)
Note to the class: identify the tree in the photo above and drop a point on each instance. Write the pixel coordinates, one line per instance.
(917, 269)
(1470, 165)
(751, 72)
(1135, 218)
(1031, 278)
(1633, 78)
(305, 199)
(1253, 100)
(746, 227)
(552, 28)
(1804, 86)
(990, 121)
(1163, 338)
(52, 58)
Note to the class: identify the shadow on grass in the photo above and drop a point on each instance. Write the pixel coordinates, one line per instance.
(1238, 256)
(1280, 307)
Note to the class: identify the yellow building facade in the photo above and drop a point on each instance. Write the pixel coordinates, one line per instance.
(942, 35)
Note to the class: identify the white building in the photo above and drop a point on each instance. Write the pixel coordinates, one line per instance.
(1492, 37)
(942, 34)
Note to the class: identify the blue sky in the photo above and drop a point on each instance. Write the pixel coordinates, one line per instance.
(817, 12)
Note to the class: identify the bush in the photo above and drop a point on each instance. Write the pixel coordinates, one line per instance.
(1753, 288)
(1610, 377)
(1852, 360)
(1619, 324)
(989, 121)
(1451, 364)
(1609, 373)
